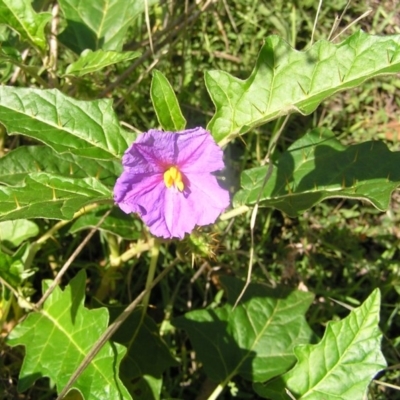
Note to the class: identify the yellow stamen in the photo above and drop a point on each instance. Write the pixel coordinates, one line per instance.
(172, 176)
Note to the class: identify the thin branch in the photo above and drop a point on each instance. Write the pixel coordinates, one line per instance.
(352, 23)
(339, 20)
(315, 22)
(70, 260)
(271, 148)
(53, 47)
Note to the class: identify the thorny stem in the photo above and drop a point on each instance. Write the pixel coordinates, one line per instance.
(112, 329)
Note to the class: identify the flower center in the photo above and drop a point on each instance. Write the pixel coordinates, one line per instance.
(172, 176)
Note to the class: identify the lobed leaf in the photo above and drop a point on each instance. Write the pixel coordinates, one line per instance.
(92, 61)
(50, 196)
(100, 24)
(341, 365)
(165, 104)
(317, 167)
(58, 337)
(20, 16)
(256, 339)
(85, 128)
(285, 80)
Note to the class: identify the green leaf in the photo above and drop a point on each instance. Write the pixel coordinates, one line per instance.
(317, 167)
(85, 128)
(256, 339)
(57, 339)
(341, 365)
(13, 233)
(100, 24)
(92, 61)
(20, 16)
(285, 80)
(20, 163)
(147, 358)
(165, 104)
(117, 222)
(50, 196)
(11, 269)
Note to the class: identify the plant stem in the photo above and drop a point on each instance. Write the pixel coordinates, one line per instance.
(217, 391)
(155, 251)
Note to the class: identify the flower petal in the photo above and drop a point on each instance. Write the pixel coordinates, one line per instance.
(198, 151)
(151, 152)
(172, 211)
(209, 197)
(130, 189)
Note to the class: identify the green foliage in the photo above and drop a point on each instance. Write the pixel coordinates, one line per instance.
(147, 356)
(13, 233)
(166, 104)
(256, 339)
(60, 157)
(117, 223)
(19, 15)
(317, 167)
(86, 128)
(286, 81)
(12, 268)
(45, 195)
(24, 161)
(341, 365)
(59, 336)
(99, 25)
(91, 61)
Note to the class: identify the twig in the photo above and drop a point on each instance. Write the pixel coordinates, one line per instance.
(352, 23)
(315, 22)
(53, 48)
(18, 70)
(338, 20)
(147, 18)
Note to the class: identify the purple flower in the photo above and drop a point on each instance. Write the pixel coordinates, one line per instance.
(168, 181)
